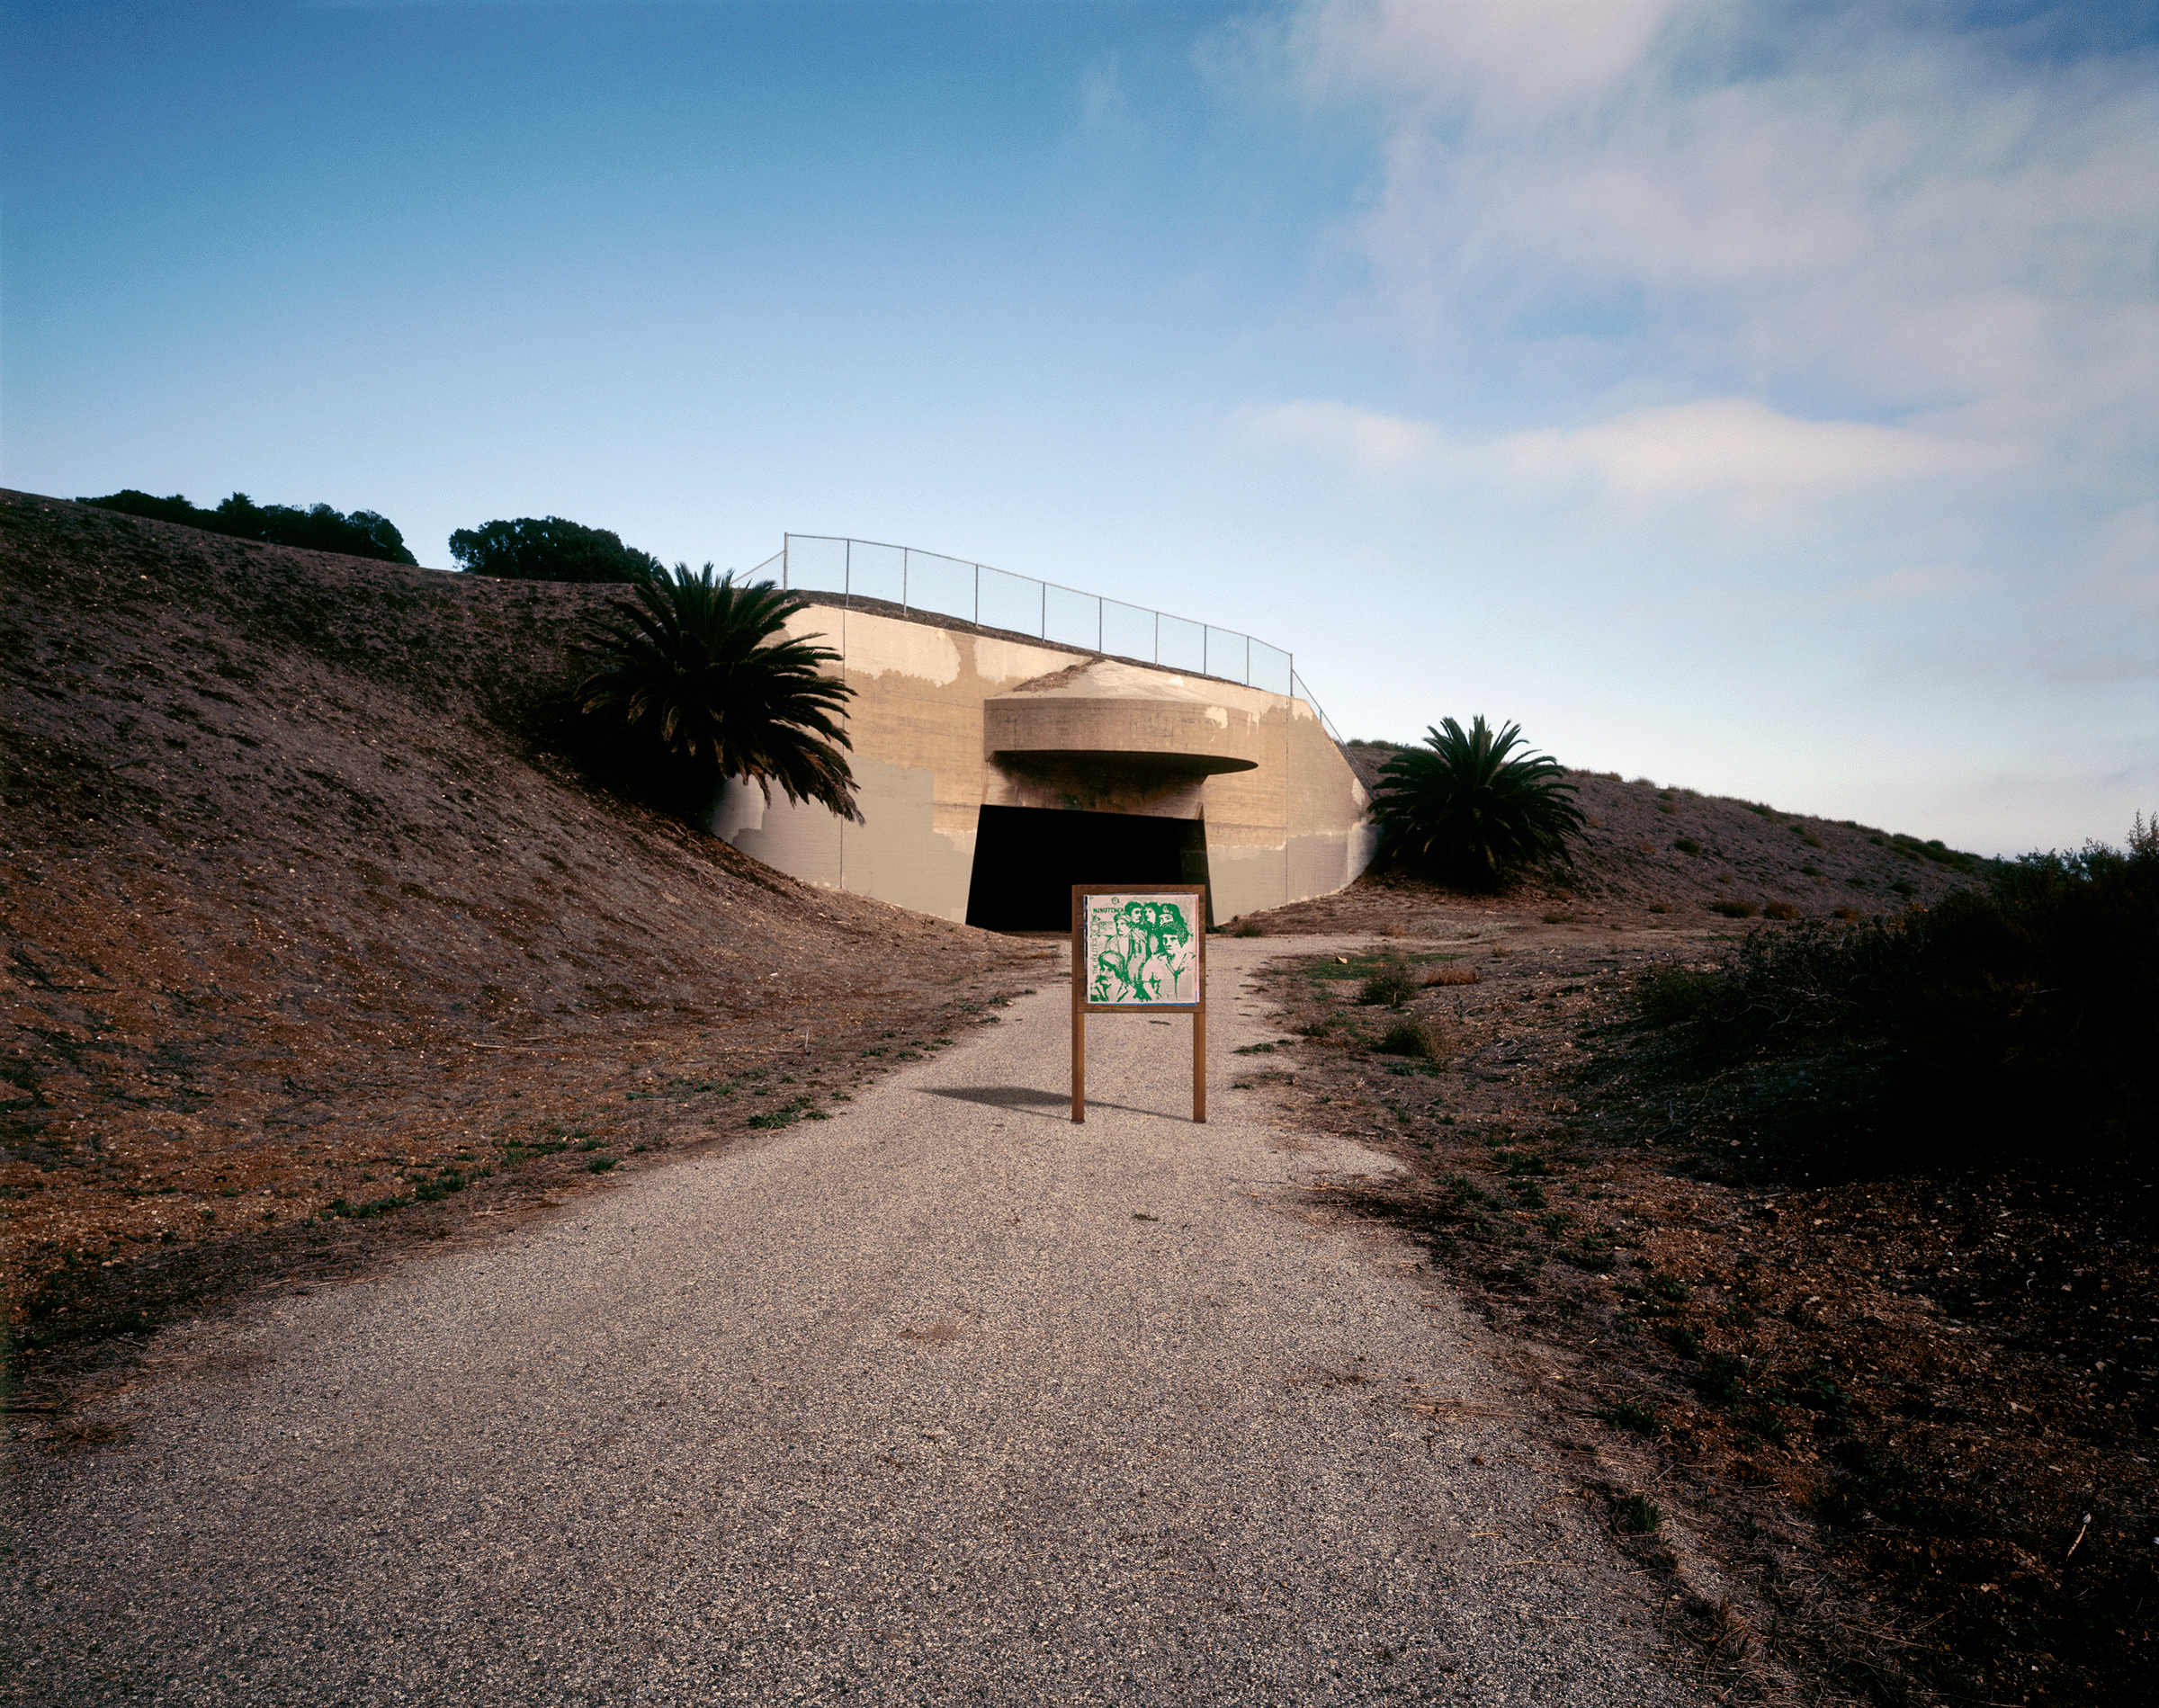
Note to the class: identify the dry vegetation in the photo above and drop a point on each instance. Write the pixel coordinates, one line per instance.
(313, 952)
(300, 929)
(1886, 1426)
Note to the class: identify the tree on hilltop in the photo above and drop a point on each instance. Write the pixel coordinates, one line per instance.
(363, 534)
(550, 549)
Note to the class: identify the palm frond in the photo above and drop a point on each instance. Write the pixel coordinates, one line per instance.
(1461, 809)
(704, 667)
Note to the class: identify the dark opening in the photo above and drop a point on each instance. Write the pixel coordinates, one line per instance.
(1026, 860)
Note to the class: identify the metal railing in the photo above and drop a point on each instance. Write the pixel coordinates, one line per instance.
(990, 598)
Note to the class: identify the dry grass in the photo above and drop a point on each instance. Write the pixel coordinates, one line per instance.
(1810, 1375)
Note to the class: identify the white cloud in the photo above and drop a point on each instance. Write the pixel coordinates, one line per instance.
(1914, 583)
(1729, 447)
(1884, 223)
(1512, 62)
(1369, 442)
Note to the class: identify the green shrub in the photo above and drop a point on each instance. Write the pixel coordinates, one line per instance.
(319, 528)
(1463, 811)
(2026, 1005)
(1735, 909)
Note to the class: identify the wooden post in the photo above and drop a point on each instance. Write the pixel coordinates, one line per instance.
(1079, 1006)
(1199, 1064)
(1199, 1024)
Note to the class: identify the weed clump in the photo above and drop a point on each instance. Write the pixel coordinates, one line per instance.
(1409, 1037)
(1391, 986)
(1640, 1515)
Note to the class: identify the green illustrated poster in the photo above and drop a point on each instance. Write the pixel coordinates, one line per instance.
(1142, 949)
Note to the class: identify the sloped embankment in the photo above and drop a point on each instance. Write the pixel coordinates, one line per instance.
(1677, 851)
(293, 912)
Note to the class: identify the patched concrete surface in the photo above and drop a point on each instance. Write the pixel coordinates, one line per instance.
(946, 721)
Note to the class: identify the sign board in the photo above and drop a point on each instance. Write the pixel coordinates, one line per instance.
(1140, 946)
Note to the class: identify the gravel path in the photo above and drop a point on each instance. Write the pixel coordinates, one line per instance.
(942, 1400)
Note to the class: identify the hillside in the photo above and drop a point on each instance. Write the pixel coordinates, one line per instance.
(303, 927)
(301, 920)
(1676, 850)
(294, 912)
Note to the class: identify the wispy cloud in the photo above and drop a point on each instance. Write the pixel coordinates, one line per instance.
(1731, 447)
(1841, 209)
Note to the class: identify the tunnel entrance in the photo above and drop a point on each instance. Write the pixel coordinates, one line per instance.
(1026, 860)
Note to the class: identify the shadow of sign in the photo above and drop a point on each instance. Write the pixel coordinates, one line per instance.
(1021, 1099)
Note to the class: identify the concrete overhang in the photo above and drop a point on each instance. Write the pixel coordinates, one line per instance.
(1112, 713)
(1190, 765)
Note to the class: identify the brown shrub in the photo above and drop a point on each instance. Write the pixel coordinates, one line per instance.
(1735, 909)
(1453, 976)
(1418, 1038)
(1781, 910)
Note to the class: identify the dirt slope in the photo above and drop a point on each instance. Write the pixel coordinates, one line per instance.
(297, 919)
(1672, 849)
(289, 906)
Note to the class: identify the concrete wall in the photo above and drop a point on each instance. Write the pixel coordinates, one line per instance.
(946, 720)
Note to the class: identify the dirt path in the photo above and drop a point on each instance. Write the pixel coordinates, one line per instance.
(943, 1399)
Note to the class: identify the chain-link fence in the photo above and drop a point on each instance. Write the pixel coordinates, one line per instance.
(997, 599)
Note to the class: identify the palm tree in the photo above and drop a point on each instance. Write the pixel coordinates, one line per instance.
(694, 666)
(1466, 812)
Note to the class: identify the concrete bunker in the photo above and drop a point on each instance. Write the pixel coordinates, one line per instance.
(997, 770)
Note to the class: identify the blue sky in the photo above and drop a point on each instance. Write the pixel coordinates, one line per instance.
(1754, 397)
